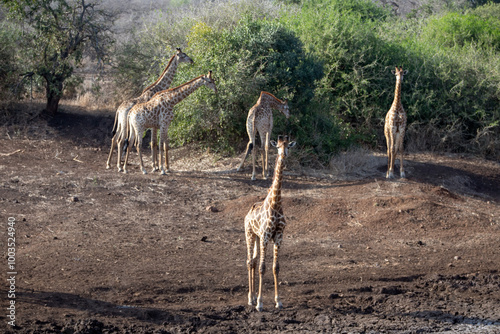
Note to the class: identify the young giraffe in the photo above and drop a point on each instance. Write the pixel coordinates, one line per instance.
(260, 118)
(162, 83)
(265, 221)
(157, 113)
(395, 125)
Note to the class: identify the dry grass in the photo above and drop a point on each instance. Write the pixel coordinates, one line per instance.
(355, 163)
(94, 94)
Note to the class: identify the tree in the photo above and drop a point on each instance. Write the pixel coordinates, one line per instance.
(58, 33)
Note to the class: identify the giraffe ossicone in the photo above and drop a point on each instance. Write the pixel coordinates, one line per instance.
(265, 222)
(395, 127)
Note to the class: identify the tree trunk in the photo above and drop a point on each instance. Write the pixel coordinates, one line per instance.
(53, 94)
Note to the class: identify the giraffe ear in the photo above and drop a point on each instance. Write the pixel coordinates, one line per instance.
(393, 72)
(292, 144)
(273, 143)
(405, 72)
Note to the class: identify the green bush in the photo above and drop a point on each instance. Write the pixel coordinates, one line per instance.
(332, 59)
(254, 56)
(454, 29)
(343, 35)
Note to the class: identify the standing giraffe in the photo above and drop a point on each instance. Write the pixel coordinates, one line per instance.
(265, 221)
(157, 114)
(162, 83)
(395, 125)
(260, 118)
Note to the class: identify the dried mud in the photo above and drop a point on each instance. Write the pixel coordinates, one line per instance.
(99, 251)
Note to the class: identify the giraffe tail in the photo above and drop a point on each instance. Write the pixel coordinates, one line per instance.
(113, 132)
(249, 150)
(127, 133)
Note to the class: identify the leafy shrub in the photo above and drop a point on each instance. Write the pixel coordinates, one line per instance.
(454, 29)
(253, 56)
(332, 59)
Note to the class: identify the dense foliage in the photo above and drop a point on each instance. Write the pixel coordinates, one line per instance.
(332, 59)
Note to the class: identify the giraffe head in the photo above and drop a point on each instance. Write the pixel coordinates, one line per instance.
(209, 81)
(399, 73)
(283, 145)
(181, 57)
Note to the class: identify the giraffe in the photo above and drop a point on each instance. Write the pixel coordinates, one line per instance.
(162, 83)
(260, 118)
(265, 221)
(157, 113)
(395, 125)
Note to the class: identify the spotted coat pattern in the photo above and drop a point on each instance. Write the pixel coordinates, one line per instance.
(157, 113)
(265, 222)
(395, 126)
(162, 83)
(260, 119)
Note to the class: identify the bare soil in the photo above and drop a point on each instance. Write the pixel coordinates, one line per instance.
(99, 251)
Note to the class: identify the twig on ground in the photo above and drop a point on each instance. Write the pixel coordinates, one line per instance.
(76, 159)
(11, 153)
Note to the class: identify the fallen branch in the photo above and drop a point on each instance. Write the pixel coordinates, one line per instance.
(11, 153)
(76, 159)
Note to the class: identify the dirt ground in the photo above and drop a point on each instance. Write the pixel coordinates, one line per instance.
(99, 251)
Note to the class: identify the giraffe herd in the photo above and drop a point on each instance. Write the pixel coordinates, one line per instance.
(265, 221)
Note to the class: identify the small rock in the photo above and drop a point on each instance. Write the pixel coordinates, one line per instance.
(73, 199)
(204, 238)
(211, 208)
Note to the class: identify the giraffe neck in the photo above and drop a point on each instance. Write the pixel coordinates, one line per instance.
(165, 79)
(274, 195)
(271, 101)
(179, 93)
(397, 94)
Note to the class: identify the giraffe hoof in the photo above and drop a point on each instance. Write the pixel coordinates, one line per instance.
(279, 306)
(403, 175)
(259, 307)
(108, 166)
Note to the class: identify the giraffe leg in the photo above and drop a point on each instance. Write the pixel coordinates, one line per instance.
(262, 152)
(401, 155)
(265, 163)
(165, 147)
(248, 150)
(154, 150)
(126, 157)
(262, 270)
(390, 154)
(388, 142)
(251, 241)
(119, 158)
(253, 164)
(276, 270)
(163, 144)
(113, 144)
(138, 146)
